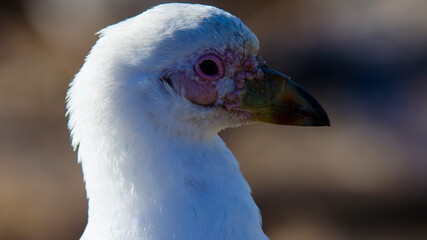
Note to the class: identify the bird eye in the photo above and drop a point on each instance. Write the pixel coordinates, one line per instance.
(209, 67)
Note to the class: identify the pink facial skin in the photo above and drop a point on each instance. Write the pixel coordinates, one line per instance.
(200, 87)
(196, 90)
(249, 72)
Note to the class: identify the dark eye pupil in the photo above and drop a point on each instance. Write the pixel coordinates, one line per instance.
(209, 67)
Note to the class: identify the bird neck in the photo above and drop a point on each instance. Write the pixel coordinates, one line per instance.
(146, 169)
(166, 187)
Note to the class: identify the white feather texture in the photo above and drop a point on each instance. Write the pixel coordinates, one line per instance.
(154, 166)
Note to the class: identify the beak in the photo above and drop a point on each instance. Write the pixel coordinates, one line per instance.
(276, 99)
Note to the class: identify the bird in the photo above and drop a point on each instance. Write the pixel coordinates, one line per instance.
(144, 113)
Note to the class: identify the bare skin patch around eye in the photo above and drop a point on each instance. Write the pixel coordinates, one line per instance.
(203, 90)
(194, 89)
(202, 94)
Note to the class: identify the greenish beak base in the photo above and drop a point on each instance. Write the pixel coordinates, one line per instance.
(276, 99)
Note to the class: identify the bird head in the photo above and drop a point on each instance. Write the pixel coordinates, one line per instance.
(190, 66)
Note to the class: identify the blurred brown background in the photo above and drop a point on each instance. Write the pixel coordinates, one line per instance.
(362, 178)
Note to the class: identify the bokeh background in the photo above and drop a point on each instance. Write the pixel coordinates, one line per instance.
(362, 178)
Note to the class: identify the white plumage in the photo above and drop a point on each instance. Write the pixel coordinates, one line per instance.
(153, 163)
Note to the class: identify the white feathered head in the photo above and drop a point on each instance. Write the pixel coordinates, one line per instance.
(182, 68)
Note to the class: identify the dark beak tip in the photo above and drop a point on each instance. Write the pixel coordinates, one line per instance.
(325, 123)
(323, 120)
(282, 102)
(319, 123)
